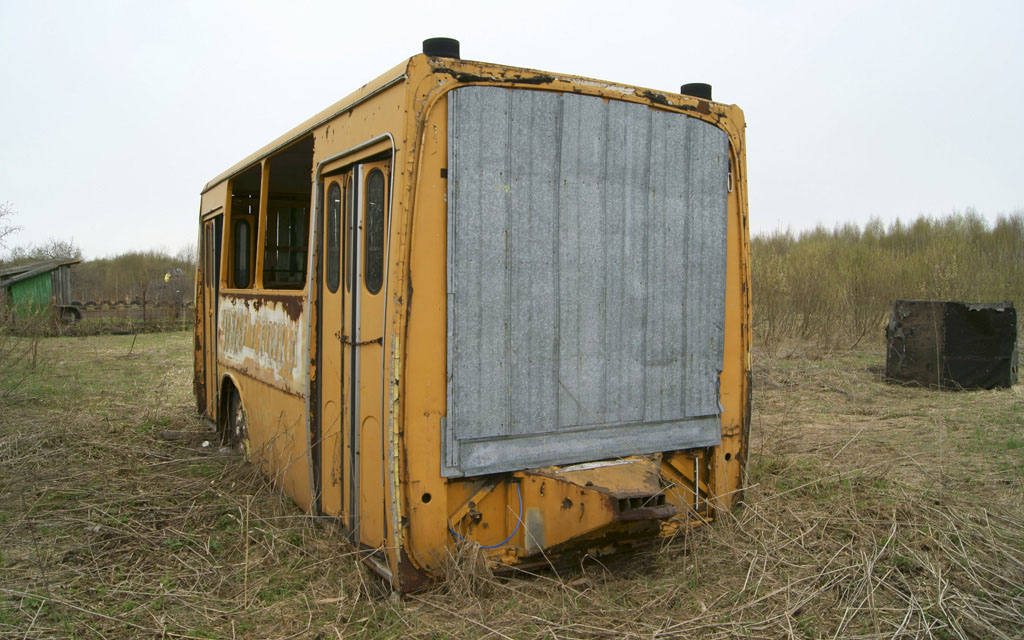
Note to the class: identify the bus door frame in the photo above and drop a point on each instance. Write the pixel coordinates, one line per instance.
(346, 163)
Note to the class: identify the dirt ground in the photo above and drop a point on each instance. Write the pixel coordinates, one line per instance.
(873, 510)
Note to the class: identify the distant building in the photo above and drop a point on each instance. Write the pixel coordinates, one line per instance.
(36, 288)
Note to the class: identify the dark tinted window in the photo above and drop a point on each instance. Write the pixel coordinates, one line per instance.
(375, 215)
(241, 254)
(333, 237)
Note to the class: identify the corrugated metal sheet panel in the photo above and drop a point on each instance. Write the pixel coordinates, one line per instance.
(586, 279)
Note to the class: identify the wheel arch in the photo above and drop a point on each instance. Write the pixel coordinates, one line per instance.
(228, 386)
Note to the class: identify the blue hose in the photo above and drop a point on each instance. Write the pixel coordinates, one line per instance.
(510, 536)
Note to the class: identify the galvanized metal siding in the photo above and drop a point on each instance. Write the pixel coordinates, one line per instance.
(586, 279)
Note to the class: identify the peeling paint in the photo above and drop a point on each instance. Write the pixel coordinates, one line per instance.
(261, 337)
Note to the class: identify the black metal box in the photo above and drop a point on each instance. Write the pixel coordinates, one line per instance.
(952, 345)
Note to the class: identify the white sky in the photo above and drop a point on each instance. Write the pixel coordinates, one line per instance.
(113, 115)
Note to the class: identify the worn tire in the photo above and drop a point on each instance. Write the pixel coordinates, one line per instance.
(237, 427)
(69, 316)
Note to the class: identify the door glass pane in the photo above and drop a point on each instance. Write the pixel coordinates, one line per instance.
(333, 237)
(209, 255)
(374, 263)
(350, 233)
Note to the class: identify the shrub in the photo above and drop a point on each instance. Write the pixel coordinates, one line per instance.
(834, 287)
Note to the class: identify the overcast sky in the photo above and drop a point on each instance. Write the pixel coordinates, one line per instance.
(115, 114)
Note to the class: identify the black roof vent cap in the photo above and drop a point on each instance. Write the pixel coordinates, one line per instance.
(697, 90)
(441, 48)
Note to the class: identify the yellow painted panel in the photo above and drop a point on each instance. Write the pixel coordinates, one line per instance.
(277, 435)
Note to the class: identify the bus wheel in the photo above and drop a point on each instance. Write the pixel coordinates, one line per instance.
(238, 424)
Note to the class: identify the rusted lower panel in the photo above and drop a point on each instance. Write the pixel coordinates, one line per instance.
(261, 336)
(575, 510)
(409, 577)
(630, 477)
(616, 538)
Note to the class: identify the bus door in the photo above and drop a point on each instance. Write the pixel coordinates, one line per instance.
(364, 345)
(352, 454)
(212, 229)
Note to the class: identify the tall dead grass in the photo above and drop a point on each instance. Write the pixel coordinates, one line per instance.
(873, 511)
(19, 351)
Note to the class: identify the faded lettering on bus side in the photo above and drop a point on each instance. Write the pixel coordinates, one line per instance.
(263, 341)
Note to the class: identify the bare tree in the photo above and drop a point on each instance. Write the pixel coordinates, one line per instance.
(49, 250)
(6, 217)
(187, 254)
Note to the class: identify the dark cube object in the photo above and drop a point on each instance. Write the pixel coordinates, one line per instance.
(952, 345)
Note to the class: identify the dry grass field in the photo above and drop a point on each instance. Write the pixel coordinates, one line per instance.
(873, 511)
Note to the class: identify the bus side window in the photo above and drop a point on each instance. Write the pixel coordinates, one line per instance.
(284, 260)
(289, 191)
(242, 226)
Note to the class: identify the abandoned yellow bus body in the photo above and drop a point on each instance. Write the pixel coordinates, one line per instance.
(478, 302)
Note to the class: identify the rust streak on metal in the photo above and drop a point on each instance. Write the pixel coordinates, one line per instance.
(291, 304)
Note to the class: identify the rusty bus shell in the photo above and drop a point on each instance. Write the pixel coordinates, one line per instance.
(471, 301)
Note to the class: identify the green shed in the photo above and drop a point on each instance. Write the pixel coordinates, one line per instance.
(30, 290)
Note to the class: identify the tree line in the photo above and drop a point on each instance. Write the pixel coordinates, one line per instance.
(142, 277)
(146, 278)
(834, 286)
